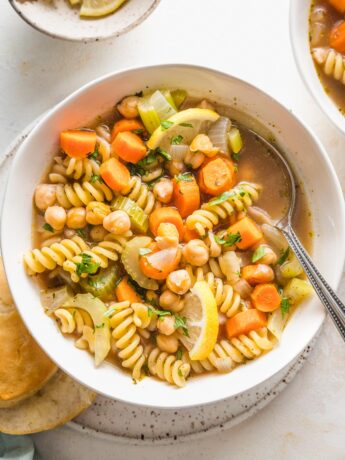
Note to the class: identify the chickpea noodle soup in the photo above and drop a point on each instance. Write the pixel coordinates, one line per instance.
(327, 45)
(154, 244)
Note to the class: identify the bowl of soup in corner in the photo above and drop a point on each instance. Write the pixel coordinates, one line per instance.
(315, 31)
(146, 241)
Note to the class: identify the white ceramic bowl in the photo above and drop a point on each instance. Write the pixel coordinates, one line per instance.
(60, 21)
(301, 147)
(299, 35)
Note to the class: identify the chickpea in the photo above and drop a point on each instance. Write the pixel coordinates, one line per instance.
(98, 233)
(128, 107)
(169, 344)
(196, 253)
(117, 222)
(163, 190)
(202, 143)
(195, 160)
(176, 167)
(76, 218)
(258, 273)
(56, 217)
(179, 281)
(170, 301)
(45, 196)
(69, 233)
(166, 325)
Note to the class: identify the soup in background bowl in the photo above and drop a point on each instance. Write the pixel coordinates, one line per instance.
(93, 309)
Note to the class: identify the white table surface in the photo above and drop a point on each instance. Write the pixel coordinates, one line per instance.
(250, 39)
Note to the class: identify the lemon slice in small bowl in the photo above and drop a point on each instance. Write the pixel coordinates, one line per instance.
(97, 8)
(201, 316)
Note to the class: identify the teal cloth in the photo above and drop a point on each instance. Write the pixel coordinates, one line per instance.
(16, 448)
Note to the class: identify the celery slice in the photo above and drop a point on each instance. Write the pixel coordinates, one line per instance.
(148, 115)
(235, 140)
(179, 96)
(102, 284)
(130, 260)
(139, 219)
(96, 309)
(161, 105)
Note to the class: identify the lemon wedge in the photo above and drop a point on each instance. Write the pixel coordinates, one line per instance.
(182, 122)
(201, 316)
(97, 8)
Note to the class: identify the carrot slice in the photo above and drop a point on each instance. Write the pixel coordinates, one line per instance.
(161, 272)
(217, 175)
(258, 273)
(129, 147)
(244, 322)
(126, 125)
(265, 297)
(186, 195)
(338, 5)
(249, 231)
(190, 235)
(337, 37)
(124, 291)
(115, 174)
(78, 143)
(166, 214)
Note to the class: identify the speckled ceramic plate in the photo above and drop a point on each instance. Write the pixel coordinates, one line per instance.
(131, 424)
(57, 19)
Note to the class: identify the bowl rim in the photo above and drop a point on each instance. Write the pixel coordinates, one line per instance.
(95, 38)
(321, 151)
(319, 95)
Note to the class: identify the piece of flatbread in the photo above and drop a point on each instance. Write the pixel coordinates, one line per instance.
(58, 402)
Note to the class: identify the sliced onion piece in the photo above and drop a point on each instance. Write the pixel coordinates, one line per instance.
(178, 152)
(218, 133)
(161, 105)
(161, 259)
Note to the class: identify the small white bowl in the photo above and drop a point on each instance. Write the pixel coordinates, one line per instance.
(302, 148)
(299, 35)
(61, 21)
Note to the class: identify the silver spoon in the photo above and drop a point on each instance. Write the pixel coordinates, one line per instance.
(326, 294)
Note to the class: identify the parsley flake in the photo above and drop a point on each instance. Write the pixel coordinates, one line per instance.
(80, 233)
(236, 156)
(87, 265)
(285, 306)
(93, 155)
(166, 124)
(229, 240)
(99, 326)
(179, 353)
(258, 253)
(186, 125)
(221, 198)
(176, 140)
(96, 178)
(139, 131)
(284, 256)
(159, 313)
(186, 177)
(181, 322)
(48, 228)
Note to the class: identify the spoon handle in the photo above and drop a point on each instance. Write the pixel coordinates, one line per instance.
(325, 293)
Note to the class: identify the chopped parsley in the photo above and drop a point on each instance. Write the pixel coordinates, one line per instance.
(166, 124)
(87, 265)
(285, 306)
(179, 353)
(186, 177)
(146, 370)
(139, 131)
(229, 240)
(96, 178)
(221, 198)
(80, 233)
(284, 256)
(236, 156)
(48, 228)
(186, 125)
(163, 153)
(109, 312)
(180, 374)
(176, 140)
(99, 326)
(258, 253)
(160, 313)
(181, 322)
(144, 251)
(93, 155)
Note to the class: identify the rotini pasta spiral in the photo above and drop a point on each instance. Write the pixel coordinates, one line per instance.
(332, 62)
(228, 301)
(127, 340)
(73, 321)
(69, 195)
(74, 168)
(96, 212)
(228, 353)
(99, 254)
(167, 367)
(140, 193)
(240, 198)
(48, 257)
